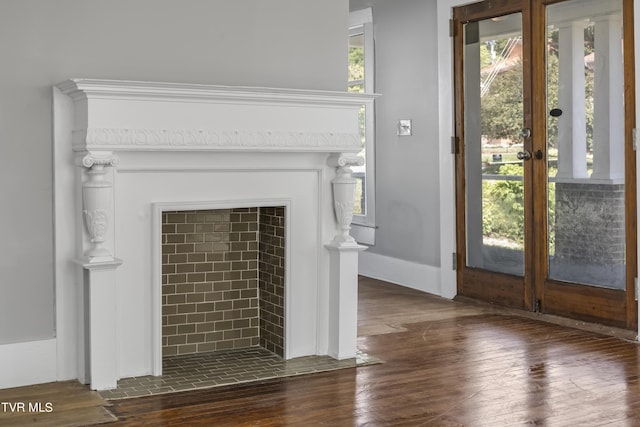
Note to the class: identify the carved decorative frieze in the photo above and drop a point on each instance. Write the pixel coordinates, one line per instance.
(158, 139)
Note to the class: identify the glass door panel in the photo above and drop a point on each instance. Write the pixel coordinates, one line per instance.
(585, 143)
(545, 181)
(493, 123)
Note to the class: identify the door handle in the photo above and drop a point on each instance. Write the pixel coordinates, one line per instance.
(524, 155)
(526, 133)
(556, 112)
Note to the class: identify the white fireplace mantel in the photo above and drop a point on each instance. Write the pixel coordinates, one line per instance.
(144, 116)
(124, 150)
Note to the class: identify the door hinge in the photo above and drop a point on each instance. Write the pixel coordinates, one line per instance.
(634, 138)
(452, 28)
(537, 307)
(635, 286)
(454, 145)
(454, 261)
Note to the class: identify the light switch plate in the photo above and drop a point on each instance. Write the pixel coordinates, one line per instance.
(404, 127)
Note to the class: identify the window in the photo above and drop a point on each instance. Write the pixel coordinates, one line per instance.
(360, 80)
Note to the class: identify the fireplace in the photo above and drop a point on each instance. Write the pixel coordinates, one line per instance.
(223, 277)
(127, 154)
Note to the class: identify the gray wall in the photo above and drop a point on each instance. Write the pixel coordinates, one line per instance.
(275, 43)
(407, 180)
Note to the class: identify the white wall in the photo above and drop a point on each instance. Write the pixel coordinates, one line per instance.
(279, 43)
(407, 180)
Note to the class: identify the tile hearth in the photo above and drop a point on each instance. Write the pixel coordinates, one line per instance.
(205, 370)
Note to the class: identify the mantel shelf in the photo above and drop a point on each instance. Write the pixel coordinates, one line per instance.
(115, 115)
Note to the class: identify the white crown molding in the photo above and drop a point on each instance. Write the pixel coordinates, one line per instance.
(96, 88)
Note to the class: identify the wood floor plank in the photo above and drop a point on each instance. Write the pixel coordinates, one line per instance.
(67, 403)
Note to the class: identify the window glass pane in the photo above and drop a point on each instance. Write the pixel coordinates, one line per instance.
(493, 121)
(356, 85)
(356, 60)
(359, 172)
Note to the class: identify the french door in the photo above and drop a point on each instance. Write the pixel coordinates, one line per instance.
(545, 169)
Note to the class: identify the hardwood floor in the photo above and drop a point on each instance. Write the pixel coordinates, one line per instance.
(446, 363)
(66, 403)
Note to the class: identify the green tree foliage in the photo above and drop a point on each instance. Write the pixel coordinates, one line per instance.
(503, 206)
(356, 65)
(552, 97)
(501, 115)
(502, 105)
(589, 80)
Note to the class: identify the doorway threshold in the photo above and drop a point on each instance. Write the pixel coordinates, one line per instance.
(623, 334)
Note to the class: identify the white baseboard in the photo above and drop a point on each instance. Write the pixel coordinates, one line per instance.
(422, 277)
(27, 363)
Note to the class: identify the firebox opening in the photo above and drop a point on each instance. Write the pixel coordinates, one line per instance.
(223, 280)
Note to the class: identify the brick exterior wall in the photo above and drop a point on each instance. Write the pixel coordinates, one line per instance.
(590, 234)
(210, 280)
(590, 223)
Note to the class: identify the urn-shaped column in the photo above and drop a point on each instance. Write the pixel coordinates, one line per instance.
(344, 187)
(97, 193)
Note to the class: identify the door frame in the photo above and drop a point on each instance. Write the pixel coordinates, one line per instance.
(586, 303)
(508, 290)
